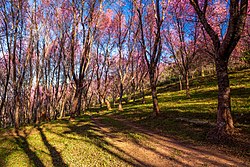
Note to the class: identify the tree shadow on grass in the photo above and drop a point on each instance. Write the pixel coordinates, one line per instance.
(55, 155)
(118, 126)
(185, 121)
(241, 92)
(22, 142)
(98, 136)
(95, 135)
(184, 145)
(6, 148)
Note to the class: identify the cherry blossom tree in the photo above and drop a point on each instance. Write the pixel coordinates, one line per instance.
(182, 35)
(150, 21)
(223, 46)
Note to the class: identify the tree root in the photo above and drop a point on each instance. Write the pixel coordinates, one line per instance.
(221, 134)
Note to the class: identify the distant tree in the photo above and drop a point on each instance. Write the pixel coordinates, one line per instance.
(121, 31)
(150, 21)
(182, 36)
(88, 20)
(104, 46)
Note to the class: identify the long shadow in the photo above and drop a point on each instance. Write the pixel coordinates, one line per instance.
(241, 92)
(88, 130)
(172, 148)
(6, 149)
(191, 109)
(205, 114)
(55, 155)
(23, 143)
(187, 146)
(195, 122)
(118, 126)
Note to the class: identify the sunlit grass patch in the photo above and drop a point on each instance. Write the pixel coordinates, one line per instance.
(60, 143)
(182, 116)
(83, 142)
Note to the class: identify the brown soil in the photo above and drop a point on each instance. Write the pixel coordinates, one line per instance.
(156, 150)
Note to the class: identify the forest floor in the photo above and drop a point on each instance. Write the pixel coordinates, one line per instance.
(144, 147)
(106, 140)
(135, 137)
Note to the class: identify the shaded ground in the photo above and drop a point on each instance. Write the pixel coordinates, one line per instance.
(190, 119)
(151, 149)
(134, 138)
(105, 140)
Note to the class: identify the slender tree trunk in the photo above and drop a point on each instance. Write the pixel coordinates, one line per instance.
(85, 104)
(108, 105)
(74, 104)
(5, 93)
(63, 107)
(202, 71)
(120, 100)
(134, 96)
(79, 105)
(113, 97)
(142, 94)
(90, 100)
(224, 118)
(154, 93)
(100, 101)
(187, 84)
(180, 82)
(17, 113)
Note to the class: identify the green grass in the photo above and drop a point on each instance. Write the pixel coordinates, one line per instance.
(121, 130)
(191, 118)
(82, 142)
(59, 143)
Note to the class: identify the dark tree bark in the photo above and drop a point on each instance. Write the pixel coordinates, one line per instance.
(154, 92)
(223, 49)
(120, 98)
(224, 118)
(153, 54)
(180, 82)
(187, 84)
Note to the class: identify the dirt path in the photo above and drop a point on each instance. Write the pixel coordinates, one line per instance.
(152, 149)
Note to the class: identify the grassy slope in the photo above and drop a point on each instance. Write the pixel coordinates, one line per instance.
(191, 119)
(58, 143)
(62, 142)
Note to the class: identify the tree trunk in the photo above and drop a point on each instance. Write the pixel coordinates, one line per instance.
(180, 82)
(142, 94)
(90, 100)
(187, 85)
(85, 104)
(100, 101)
(134, 94)
(120, 106)
(224, 118)
(62, 111)
(74, 107)
(5, 92)
(108, 105)
(154, 93)
(113, 96)
(120, 100)
(143, 97)
(202, 71)
(17, 113)
(76, 104)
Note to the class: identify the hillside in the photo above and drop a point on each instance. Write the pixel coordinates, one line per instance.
(135, 137)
